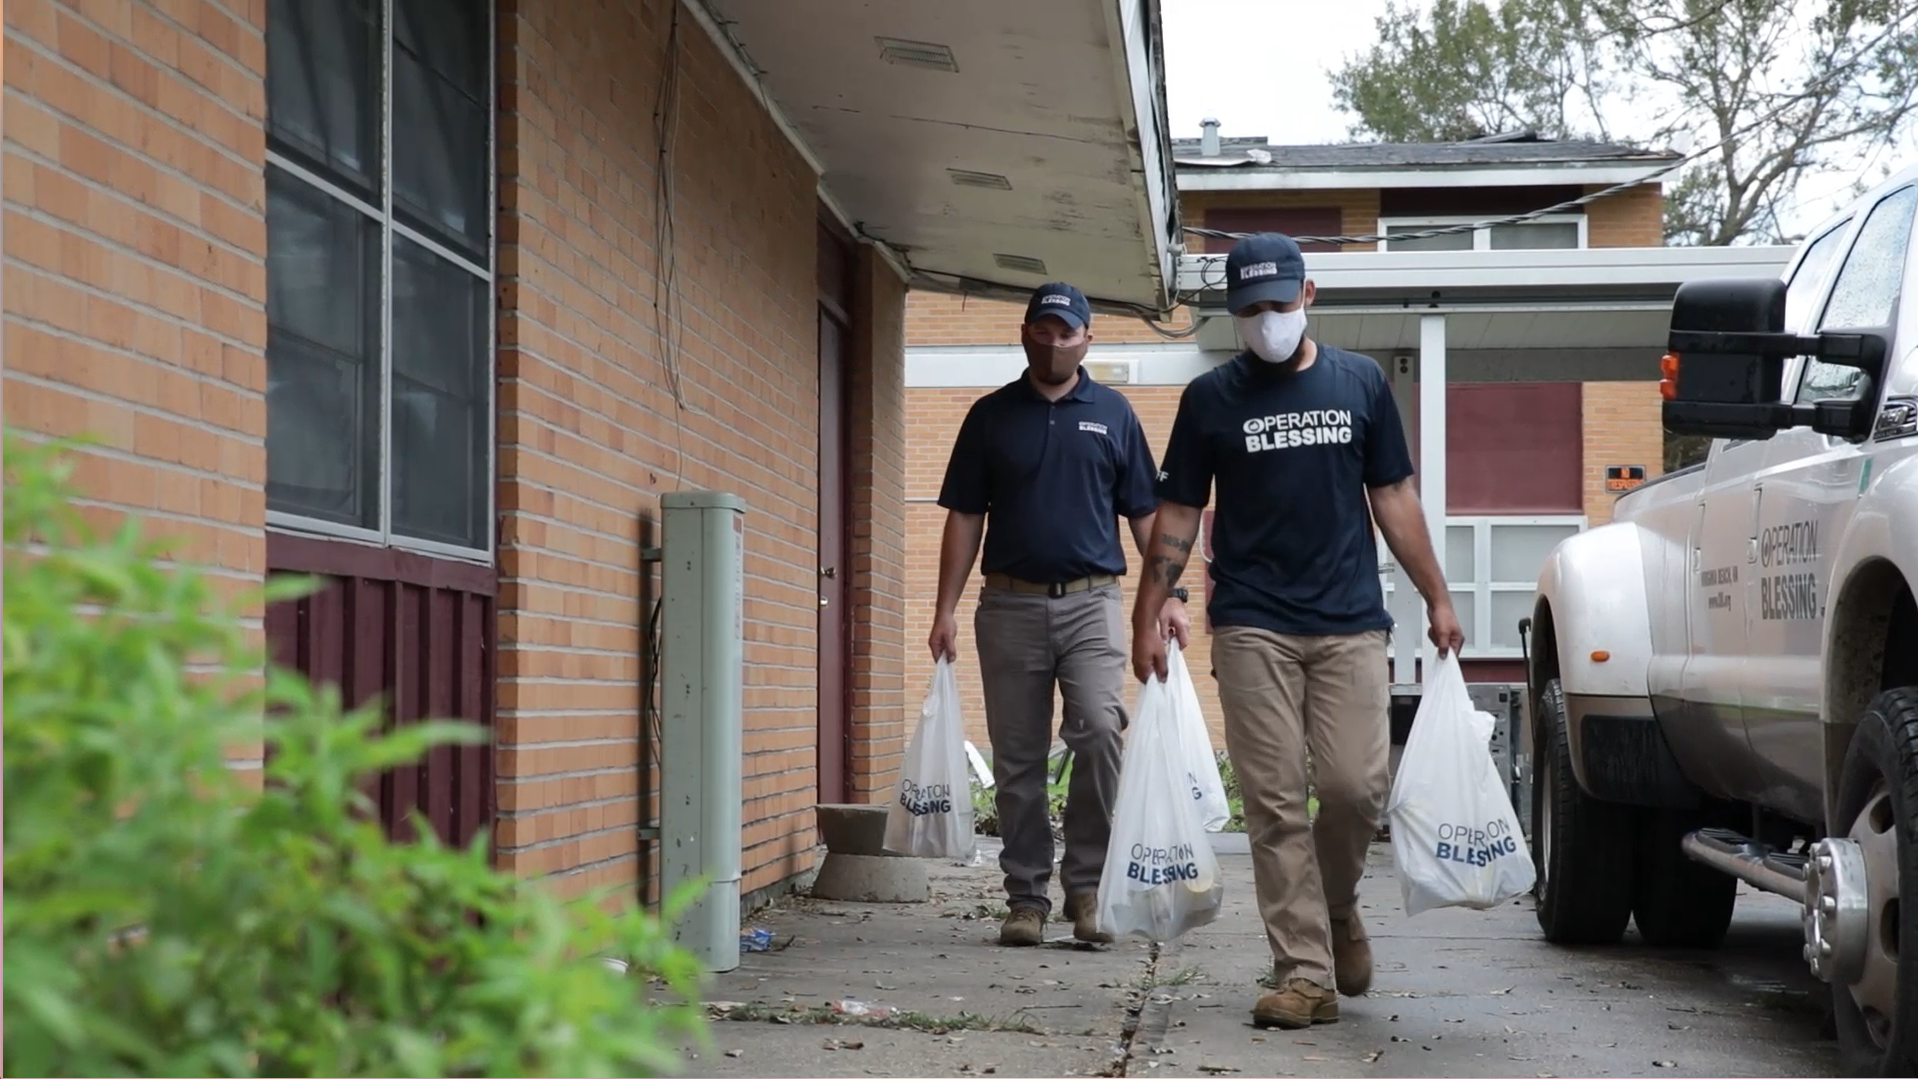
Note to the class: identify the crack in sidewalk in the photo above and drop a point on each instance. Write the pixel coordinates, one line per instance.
(1147, 1012)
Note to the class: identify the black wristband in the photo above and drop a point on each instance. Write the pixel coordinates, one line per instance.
(1179, 594)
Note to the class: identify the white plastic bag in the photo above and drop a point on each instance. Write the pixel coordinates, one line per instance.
(932, 815)
(1201, 766)
(1161, 878)
(1454, 836)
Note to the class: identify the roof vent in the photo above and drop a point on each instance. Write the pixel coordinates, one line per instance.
(1511, 136)
(1209, 141)
(969, 178)
(1020, 264)
(926, 54)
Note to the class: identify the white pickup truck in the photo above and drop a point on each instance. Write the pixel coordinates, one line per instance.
(1723, 682)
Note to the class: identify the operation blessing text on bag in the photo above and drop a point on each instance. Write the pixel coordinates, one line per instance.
(1454, 835)
(931, 814)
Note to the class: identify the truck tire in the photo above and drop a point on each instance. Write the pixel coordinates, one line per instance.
(1581, 847)
(1878, 793)
(1678, 902)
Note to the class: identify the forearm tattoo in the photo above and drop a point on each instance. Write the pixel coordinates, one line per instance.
(1167, 569)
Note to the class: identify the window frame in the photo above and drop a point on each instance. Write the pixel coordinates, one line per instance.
(1481, 238)
(388, 217)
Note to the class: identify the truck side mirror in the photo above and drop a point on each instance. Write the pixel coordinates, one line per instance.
(1724, 375)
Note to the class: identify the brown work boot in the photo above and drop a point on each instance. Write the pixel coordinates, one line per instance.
(1351, 956)
(1025, 927)
(1296, 1006)
(1082, 911)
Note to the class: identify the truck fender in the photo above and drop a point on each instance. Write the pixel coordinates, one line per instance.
(1881, 572)
(1594, 586)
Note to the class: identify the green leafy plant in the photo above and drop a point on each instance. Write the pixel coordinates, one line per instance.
(165, 916)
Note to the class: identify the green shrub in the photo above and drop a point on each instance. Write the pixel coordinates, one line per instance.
(165, 917)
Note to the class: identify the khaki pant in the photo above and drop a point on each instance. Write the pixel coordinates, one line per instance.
(1028, 644)
(1282, 695)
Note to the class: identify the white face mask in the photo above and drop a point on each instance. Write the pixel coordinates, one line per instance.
(1273, 336)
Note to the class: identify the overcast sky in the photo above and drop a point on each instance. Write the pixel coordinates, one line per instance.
(1262, 67)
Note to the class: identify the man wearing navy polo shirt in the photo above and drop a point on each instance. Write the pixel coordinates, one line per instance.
(1305, 446)
(1043, 467)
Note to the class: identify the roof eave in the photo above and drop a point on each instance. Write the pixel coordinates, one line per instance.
(1252, 177)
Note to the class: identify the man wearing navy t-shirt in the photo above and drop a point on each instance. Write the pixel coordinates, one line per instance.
(1044, 467)
(1304, 444)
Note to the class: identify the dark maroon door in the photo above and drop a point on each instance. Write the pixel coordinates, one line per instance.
(833, 620)
(835, 533)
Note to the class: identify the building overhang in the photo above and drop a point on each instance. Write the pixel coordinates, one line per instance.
(1255, 177)
(986, 157)
(1584, 298)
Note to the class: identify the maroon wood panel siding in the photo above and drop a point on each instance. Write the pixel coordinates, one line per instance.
(1293, 221)
(1462, 201)
(1515, 447)
(415, 632)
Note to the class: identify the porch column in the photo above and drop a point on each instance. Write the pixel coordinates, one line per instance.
(1431, 452)
(1407, 628)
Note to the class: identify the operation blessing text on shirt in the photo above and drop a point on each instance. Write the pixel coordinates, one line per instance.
(1289, 430)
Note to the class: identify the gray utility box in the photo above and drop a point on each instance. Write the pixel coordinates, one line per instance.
(1506, 700)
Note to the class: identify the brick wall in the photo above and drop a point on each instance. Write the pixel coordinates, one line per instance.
(936, 414)
(1622, 427)
(590, 435)
(135, 284)
(1631, 218)
(938, 318)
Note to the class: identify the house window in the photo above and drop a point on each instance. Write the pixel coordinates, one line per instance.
(1553, 231)
(379, 271)
(1491, 569)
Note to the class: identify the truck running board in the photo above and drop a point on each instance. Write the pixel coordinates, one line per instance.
(1753, 862)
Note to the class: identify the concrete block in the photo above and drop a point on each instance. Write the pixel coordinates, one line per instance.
(853, 828)
(858, 878)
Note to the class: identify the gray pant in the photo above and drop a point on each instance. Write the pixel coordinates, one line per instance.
(1027, 643)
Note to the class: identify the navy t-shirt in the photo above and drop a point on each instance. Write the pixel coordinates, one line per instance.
(1292, 454)
(1052, 478)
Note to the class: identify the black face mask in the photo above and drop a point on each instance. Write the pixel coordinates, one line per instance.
(1053, 365)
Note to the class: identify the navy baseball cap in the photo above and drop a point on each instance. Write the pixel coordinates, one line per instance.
(1061, 301)
(1267, 266)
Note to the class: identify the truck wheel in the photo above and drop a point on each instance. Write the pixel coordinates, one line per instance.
(1582, 847)
(1877, 1015)
(1678, 902)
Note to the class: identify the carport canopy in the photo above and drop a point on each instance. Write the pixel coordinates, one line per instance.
(990, 145)
(1579, 314)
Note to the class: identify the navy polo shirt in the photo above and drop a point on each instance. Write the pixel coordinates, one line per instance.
(1052, 479)
(1292, 454)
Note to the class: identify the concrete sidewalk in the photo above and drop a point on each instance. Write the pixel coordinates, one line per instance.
(857, 990)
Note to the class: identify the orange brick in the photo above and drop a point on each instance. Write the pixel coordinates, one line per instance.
(590, 436)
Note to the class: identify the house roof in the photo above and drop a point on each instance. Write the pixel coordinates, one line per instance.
(1495, 152)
